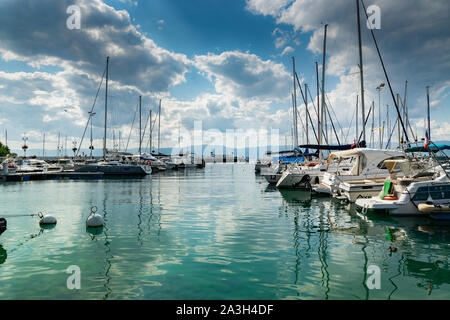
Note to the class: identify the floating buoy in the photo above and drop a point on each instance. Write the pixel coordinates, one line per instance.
(392, 249)
(46, 220)
(3, 225)
(94, 220)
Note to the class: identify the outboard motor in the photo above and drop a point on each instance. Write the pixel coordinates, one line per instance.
(2, 225)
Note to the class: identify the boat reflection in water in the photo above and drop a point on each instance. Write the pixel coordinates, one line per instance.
(398, 246)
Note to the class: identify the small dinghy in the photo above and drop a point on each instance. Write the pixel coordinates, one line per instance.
(437, 212)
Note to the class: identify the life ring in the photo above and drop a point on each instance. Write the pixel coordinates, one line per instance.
(390, 197)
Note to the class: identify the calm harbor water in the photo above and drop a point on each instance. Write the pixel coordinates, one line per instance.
(217, 233)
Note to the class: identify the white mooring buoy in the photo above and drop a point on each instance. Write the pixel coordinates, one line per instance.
(46, 220)
(94, 220)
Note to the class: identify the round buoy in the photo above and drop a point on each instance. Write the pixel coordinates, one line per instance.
(46, 220)
(94, 220)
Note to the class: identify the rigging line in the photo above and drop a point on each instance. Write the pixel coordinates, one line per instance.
(146, 123)
(334, 113)
(298, 116)
(386, 75)
(304, 100)
(350, 126)
(392, 133)
(365, 123)
(92, 109)
(131, 129)
(407, 118)
(332, 124)
(307, 111)
(151, 132)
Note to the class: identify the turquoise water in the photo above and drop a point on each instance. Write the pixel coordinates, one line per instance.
(217, 233)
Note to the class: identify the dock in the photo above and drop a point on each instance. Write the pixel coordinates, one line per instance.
(63, 175)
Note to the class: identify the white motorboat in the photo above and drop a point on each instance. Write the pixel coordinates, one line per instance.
(303, 176)
(116, 168)
(420, 183)
(36, 165)
(364, 179)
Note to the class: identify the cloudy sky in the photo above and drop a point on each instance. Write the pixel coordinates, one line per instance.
(226, 63)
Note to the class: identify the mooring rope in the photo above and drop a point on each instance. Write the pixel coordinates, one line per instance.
(21, 215)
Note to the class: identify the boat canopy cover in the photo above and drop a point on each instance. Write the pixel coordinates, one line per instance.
(362, 144)
(288, 159)
(435, 147)
(371, 155)
(403, 164)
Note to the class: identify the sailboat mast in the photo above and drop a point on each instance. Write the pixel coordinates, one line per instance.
(43, 146)
(428, 115)
(159, 128)
(322, 108)
(106, 108)
(398, 125)
(151, 131)
(361, 70)
(306, 113)
(357, 131)
(140, 124)
(295, 105)
(318, 104)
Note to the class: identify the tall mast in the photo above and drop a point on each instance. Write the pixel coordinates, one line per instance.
(58, 148)
(306, 113)
(43, 146)
(140, 124)
(159, 128)
(428, 115)
(151, 129)
(318, 104)
(179, 135)
(405, 107)
(361, 70)
(106, 107)
(398, 125)
(357, 131)
(6, 135)
(323, 83)
(295, 105)
(372, 134)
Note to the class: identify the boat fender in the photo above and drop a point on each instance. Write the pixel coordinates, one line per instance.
(3, 224)
(46, 220)
(94, 220)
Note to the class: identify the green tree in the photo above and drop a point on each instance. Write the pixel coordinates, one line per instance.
(4, 150)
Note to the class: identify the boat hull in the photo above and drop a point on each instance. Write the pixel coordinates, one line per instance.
(122, 170)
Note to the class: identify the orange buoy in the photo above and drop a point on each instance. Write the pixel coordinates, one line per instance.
(390, 197)
(311, 164)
